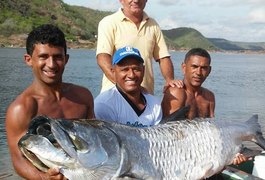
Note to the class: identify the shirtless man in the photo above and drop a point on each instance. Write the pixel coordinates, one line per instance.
(47, 95)
(196, 68)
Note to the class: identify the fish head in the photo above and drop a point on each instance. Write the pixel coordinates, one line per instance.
(91, 142)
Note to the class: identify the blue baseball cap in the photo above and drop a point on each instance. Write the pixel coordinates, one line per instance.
(125, 52)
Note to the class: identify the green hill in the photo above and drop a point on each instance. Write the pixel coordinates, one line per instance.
(237, 46)
(78, 23)
(186, 38)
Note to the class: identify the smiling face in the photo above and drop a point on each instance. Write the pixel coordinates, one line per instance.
(47, 63)
(196, 69)
(129, 74)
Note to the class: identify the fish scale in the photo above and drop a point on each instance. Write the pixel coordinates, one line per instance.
(180, 138)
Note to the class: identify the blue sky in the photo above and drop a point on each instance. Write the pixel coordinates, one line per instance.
(235, 20)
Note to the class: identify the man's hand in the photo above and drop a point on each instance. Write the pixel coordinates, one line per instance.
(173, 83)
(54, 174)
(240, 158)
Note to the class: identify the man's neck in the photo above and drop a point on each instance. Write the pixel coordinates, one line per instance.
(136, 18)
(51, 90)
(194, 91)
(136, 100)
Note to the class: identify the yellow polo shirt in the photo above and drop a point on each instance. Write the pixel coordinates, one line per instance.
(116, 31)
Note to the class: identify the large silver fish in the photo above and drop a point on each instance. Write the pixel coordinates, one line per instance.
(103, 150)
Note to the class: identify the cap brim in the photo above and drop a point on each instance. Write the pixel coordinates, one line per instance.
(131, 55)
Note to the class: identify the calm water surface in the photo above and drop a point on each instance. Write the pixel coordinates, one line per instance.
(238, 81)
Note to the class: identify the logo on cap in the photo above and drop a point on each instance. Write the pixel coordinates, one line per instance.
(124, 52)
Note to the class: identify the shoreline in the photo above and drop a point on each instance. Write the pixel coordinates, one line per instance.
(88, 47)
(227, 51)
(19, 41)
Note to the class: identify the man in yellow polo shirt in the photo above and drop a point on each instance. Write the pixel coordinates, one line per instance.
(131, 26)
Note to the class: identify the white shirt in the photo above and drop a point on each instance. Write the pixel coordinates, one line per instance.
(110, 105)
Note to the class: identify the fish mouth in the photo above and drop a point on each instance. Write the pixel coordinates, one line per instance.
(35, 156)
(31, 156)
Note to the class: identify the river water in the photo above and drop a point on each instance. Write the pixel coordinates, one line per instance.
(238, 81)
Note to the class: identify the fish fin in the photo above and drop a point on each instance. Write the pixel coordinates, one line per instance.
(248, 153)
(75, 173)
(256, 128)
(208, 170)
(97, 156)
(179, 114)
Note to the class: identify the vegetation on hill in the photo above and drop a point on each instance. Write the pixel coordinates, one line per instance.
(186, 38)
(237, 46)
(18, 18)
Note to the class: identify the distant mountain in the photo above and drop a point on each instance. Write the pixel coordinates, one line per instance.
(237, 46)
(18, 18)
(186, 38)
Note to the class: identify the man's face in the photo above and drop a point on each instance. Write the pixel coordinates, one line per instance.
(196, 70)
(129, 75)
(47, 63)
(133, 6)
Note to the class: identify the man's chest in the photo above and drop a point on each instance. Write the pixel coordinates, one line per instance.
(63, 110)
(199, 107)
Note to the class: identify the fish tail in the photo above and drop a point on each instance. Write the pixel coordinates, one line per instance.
(258, 138)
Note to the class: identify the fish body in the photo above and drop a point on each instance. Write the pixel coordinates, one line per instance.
(175, 150)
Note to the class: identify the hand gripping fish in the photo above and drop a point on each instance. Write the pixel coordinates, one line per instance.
(94, 149)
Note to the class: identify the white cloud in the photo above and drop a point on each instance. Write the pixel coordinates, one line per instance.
(168, 23)
(103, 5)
(232, 20)
(257, 15)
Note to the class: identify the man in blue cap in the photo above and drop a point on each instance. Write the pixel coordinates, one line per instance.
(126, 103)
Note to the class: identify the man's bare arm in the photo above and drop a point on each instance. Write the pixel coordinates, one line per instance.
(104, 62)
(17, 122)
(174, 98)
(166, 68)
(167, 71)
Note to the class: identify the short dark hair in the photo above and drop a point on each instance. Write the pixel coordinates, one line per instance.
(45, 34)
(198, 52)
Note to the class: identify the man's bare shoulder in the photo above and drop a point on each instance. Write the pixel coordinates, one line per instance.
(26, 98)
(207, 92)
(176, 91)
(24, 107)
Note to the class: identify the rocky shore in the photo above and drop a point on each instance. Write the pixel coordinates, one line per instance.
(19, 41)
